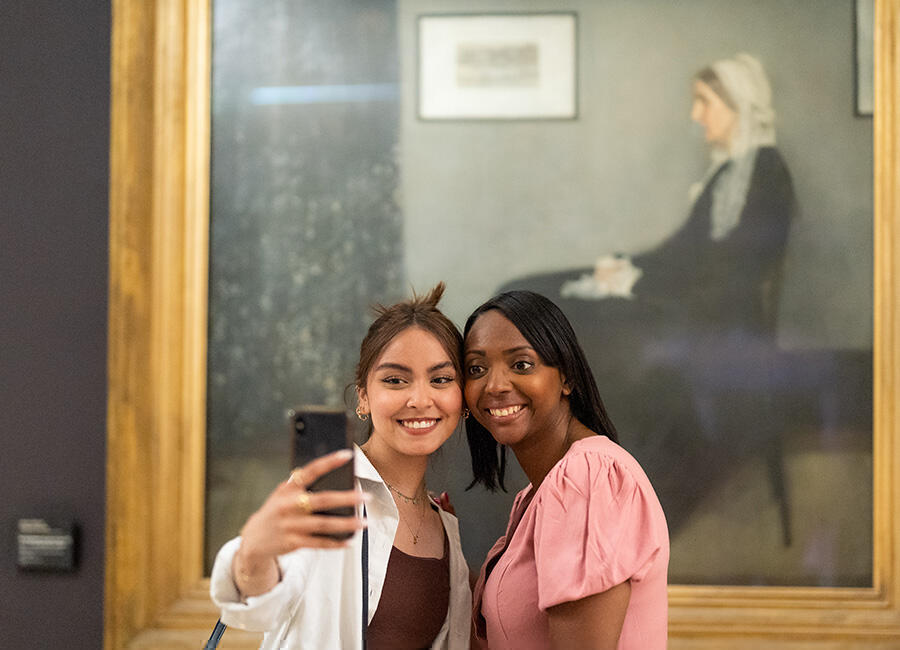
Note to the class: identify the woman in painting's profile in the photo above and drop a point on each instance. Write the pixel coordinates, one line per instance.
(720, 269)
(722, 265)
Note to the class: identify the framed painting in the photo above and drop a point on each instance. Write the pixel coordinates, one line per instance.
(159, 342)
(865, 68)
(497, 66)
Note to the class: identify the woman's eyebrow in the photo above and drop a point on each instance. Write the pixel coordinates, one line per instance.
(508, 351)
(393, 366)
(519, 348)
(400, 367)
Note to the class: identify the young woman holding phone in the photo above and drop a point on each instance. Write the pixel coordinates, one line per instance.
(284, 576)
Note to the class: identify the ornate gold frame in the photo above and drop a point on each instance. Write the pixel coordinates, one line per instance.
(156, 596)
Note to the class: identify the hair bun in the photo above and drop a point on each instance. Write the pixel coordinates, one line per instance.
(433, 297)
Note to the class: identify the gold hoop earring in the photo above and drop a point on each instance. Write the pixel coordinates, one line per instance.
(361, 414)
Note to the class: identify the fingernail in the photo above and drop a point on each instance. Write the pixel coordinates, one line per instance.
(344, 453)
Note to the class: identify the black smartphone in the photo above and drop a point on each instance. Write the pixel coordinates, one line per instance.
(316, 431)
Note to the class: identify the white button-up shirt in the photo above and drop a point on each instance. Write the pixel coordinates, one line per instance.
(318, 602)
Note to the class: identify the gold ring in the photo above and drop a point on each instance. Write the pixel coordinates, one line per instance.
(303, 502)
(297, 478)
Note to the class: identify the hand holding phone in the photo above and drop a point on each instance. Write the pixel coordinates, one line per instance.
(293, 517)
(317, 431)
(316, 507)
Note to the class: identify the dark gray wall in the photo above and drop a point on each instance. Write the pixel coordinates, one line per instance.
(54, 168)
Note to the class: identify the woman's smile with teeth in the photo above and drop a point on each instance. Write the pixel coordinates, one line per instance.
(506, 410)
(418, 424)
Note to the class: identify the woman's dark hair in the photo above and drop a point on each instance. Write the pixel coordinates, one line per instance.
(548, 331)
(418, 311)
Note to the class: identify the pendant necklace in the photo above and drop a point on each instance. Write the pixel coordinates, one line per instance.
(415, 535)
(415, 501)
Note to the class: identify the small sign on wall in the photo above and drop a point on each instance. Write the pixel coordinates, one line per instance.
(45, 547)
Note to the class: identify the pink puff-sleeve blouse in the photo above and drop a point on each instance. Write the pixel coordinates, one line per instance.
(593, 523)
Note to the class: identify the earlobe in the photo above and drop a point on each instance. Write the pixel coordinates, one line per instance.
(362, 409)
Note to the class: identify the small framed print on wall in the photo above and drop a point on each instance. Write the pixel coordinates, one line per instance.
(497, 66)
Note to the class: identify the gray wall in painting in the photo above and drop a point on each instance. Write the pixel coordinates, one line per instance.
(515, 198)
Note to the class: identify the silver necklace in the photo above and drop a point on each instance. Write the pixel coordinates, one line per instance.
(415, 500)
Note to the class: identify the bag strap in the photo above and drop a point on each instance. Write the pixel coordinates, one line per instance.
(365, 581)
(216, 636)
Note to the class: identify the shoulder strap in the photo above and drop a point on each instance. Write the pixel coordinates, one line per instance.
(365, 581)
(216, 635)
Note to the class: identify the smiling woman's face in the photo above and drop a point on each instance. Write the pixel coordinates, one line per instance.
(413, 394)
(508, 387)
(711, 112)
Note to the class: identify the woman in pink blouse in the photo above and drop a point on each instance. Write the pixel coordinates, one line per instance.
(583, 563)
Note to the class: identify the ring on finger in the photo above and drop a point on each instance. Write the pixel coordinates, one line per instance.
(303, 503)
(297, 478)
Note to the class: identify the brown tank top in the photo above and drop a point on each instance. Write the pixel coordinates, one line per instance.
(413, 603)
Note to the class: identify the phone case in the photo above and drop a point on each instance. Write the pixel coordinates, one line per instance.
(316, 431)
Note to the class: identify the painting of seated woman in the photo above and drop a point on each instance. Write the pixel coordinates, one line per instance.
(683, 337)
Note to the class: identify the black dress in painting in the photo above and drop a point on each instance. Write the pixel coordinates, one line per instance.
(684, 366)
